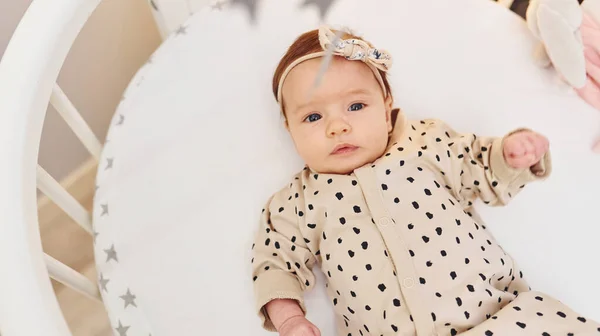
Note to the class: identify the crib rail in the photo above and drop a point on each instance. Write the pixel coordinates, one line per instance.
(66, 275)
(28, 73)
(51, 188)
(73, 118)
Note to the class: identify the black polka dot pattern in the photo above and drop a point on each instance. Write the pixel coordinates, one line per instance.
(402, 223)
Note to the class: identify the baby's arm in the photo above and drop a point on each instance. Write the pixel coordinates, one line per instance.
(492, 168)
(281, 264)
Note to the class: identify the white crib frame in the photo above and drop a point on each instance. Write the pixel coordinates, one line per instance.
(28, 73)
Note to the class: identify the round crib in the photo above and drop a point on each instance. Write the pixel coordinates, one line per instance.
(28, 74)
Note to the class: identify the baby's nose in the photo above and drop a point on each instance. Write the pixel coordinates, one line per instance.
(339, 131)
(338, 127)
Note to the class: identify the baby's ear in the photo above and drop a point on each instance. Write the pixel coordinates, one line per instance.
(389, 102)
(393, 118)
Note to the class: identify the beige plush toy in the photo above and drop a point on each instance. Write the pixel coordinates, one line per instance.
(569, 35)
(556, 23)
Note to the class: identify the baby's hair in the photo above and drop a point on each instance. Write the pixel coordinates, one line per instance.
(306, 44)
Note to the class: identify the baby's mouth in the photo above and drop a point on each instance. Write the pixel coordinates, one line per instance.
(343, 149)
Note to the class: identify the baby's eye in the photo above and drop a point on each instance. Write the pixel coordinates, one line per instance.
(356, 107)
(313, 117)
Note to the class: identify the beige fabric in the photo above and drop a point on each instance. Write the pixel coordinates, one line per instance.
(350, 49)
(401, 246)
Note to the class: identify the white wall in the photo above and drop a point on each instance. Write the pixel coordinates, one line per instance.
(117, 40)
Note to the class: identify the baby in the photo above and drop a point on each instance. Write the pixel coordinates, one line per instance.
(384, 206)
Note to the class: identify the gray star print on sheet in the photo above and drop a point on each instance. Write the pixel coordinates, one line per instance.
(109, 163)
(95, 234)
(121, 119)
(111, 253)
(129, 299)
(250, 6)
(104, 209)
(322, 5)
(122, 330)
(182, 30)
(140, 81)
(103, 282)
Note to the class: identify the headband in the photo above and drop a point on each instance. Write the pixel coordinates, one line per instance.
(352, 49)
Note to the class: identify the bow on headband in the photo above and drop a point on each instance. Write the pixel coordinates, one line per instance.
(354, 49)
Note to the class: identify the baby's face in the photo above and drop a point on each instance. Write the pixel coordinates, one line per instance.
(344, 123)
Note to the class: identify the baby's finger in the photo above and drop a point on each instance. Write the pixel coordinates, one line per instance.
(524, 161)
(544, 144)
(537, 143)
(514, 148)
(529, 144)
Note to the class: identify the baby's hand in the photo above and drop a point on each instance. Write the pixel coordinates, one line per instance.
(298, 326)
(524, 149)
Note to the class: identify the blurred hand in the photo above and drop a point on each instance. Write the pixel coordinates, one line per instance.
(524, 149)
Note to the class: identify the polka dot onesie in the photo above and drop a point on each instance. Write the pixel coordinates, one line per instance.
(403, 251)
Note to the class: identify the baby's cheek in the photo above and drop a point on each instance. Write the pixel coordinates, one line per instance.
(381, 137)
(313, 151)
(306, 151)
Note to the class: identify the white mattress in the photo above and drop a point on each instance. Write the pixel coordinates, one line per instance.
(197, 146)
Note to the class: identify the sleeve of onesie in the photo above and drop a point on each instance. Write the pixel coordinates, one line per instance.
(282, 263)
(480, 170)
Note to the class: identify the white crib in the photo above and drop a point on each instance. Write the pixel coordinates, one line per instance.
(28, 74)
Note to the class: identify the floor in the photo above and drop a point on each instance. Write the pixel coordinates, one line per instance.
(67, 242)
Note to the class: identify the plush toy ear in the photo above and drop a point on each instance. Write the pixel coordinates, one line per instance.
(569, 10)
(531, 18)
(556, 23)
(541, 56)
